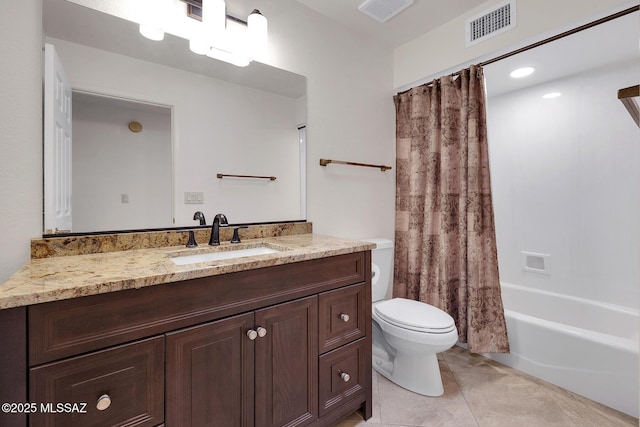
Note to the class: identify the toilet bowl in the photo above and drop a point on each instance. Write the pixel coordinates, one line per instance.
(407, 334)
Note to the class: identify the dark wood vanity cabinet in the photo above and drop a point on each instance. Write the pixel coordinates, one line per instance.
(284, 345)
(216, 370)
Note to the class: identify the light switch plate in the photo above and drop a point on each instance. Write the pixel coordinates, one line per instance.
(193, 198)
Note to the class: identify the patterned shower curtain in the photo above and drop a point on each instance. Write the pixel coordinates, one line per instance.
(445, 239)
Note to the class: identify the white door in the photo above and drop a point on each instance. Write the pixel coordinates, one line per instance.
(57, 145)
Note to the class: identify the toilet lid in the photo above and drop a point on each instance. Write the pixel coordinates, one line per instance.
(415, 316)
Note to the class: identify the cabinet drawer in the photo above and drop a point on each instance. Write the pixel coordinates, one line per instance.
(343, 375)
(127, 382)
(342, 315)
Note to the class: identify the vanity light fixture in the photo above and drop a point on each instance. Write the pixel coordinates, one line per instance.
(154, 15)
(522, 72)
(211, 31)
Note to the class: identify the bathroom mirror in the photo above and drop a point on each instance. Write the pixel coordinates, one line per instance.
(216, 118)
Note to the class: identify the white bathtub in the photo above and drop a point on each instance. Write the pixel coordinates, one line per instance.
(587, 347)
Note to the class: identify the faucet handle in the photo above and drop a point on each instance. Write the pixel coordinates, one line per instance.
(192, 239)
(236, 236)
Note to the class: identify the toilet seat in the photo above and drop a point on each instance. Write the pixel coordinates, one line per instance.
(414, 316)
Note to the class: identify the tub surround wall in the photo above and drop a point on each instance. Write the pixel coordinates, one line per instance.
(564, 178)
(112, 242)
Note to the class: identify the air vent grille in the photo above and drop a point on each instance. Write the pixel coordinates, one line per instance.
(490, 23)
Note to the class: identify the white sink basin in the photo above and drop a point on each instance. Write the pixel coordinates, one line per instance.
(217, 256)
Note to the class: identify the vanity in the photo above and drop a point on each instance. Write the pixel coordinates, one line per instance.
(132, 338)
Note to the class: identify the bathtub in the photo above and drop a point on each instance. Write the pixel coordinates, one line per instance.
(585, 346)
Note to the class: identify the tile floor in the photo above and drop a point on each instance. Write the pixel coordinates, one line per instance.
(480, 392)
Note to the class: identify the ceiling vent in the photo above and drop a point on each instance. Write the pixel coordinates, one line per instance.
(383, 10)
(490, 23)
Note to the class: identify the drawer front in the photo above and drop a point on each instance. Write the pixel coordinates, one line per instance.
(119, 386)
(65, 328)
(343, 375)
(342, 315)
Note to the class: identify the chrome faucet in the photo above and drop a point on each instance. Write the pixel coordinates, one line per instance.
(200, 216)
(219, 220)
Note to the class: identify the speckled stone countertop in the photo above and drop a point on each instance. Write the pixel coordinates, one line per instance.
(57, 278)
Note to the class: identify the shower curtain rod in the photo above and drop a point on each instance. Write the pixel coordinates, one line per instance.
(547, 40)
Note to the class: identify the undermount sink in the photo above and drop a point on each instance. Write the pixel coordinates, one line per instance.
(221, 255)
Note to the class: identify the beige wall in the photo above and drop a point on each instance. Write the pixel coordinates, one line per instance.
(443, 50)
(21, 137)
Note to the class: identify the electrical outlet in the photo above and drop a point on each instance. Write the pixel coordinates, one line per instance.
(124, 198)
(193, 198)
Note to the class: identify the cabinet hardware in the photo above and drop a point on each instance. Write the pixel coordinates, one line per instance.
(344, 317)
(252, 334)
(345, 377)
(261, 331)
(103, 403)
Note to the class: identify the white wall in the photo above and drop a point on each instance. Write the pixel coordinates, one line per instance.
(109, 160)
(565, 183)
(442, 50)
(21, 139)
(351, 117)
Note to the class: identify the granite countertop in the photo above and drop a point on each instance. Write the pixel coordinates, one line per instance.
(57, 278)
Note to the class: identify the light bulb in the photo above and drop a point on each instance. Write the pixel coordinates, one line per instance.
(214, 19)
(153, 18)
(258, 32)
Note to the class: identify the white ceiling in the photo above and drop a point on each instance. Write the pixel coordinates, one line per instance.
(419, 18)
(603, 45)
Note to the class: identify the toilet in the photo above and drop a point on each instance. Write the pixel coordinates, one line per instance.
(407, 334)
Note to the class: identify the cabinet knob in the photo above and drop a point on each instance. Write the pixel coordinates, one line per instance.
(252, 334)
(261, 331)
(103, 403)
(345, 377)
(344, 317)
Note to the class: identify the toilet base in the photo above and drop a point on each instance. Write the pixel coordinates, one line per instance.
(418, 374)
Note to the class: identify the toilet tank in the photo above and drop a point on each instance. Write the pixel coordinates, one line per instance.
(381, 268)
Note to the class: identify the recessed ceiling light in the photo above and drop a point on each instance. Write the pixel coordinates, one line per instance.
(551, 95)
(522, 72)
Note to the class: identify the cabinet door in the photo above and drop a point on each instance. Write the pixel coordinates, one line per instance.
(210, 374)
(287, 364)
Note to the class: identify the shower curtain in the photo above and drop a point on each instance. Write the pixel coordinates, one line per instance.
(445, 240)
